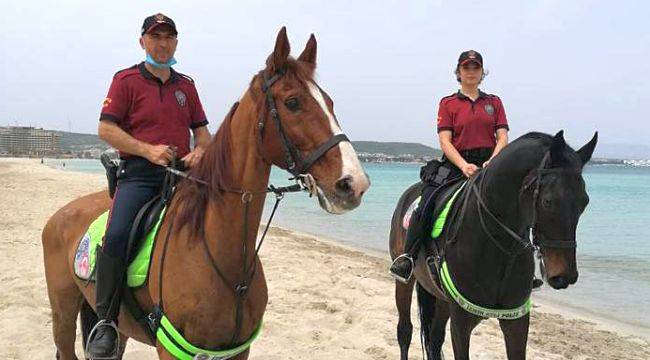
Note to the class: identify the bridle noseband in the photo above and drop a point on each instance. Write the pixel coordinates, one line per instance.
(294, 162)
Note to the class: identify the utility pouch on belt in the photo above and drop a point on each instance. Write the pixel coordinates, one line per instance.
(111, 173)
(429, 171)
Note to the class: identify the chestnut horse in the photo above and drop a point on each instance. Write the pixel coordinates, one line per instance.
(283, 119)
(536, 181)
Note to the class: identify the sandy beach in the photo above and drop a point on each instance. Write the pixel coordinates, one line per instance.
(337, 304)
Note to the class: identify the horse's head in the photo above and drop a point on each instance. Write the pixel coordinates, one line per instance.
(559, 198)
(299, 132)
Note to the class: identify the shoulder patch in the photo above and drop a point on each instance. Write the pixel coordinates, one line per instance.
(127, 72)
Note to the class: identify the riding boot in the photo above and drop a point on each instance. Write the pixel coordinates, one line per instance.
(103, 340)
(402, 267)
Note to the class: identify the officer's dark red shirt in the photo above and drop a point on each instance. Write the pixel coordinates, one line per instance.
(153, 112)
(473, 124)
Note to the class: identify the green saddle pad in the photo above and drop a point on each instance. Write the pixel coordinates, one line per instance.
(138, 268)
(439, 224)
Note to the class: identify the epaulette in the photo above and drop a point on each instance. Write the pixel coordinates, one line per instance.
(187, 77)
(127, 72)
(448, 97)
(494, 97)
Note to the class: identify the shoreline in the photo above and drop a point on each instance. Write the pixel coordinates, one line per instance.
(541, 302)
(631, 163)
(331, 300)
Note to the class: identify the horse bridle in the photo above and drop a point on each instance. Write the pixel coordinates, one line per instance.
(295, 163)
(537, 241)
(525, 242)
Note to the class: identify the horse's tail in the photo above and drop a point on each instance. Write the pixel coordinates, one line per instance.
(88, 319)
(426, 313)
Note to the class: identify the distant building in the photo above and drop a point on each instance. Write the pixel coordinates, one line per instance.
(23, 140)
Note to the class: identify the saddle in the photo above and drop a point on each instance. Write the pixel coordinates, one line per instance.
(438, 218)
(150, 212)
(141, 236)
(440, 198)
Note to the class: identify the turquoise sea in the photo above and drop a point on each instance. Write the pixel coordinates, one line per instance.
(613, 233)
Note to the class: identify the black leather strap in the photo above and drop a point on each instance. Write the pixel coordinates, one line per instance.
(295, 164)
(318, 153)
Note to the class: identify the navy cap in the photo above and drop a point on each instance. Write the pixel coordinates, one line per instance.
(154, 20)
(470, 56)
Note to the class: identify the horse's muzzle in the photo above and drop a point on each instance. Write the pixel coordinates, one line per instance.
(562, 282)
(347, 194)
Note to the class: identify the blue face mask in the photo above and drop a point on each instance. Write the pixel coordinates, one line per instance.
(149, 60)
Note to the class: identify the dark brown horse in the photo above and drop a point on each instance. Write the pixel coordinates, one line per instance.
(283, 119)
(536, 181)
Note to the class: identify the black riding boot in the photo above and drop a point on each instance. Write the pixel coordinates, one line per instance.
(402, 267)
(103, 339)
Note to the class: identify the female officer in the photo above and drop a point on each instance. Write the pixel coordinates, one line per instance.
(472, 129)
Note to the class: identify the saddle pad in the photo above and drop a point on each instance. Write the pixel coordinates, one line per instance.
(84, 260)
(439, 224)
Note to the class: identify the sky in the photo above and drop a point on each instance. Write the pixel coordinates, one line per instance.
(580, 66)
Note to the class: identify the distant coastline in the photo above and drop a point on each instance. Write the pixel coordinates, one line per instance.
(89, 146)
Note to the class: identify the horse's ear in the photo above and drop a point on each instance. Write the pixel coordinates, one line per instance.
(586, 151)
(278, 59)
(557, 148)
(309, 54)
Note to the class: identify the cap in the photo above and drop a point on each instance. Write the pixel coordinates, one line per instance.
(470, 56)
(155, 20)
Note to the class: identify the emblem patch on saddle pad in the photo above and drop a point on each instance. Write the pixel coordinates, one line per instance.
(81, 259)
(409, 212)
(84, 260)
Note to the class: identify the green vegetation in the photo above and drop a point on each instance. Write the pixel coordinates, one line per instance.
(396, 148)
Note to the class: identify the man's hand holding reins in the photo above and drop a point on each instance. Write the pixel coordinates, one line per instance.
(193, 157)
(160, 154)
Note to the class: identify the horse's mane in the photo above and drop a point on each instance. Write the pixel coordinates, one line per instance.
(544, 141)
(215, 166)
(535, 135)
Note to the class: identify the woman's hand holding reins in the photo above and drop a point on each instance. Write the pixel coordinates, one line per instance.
(469, 169)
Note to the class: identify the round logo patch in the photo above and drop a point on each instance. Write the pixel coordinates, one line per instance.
(180, 98)
(489, 109)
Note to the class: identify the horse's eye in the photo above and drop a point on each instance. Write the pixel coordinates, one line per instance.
(292, 104)
(547, 203)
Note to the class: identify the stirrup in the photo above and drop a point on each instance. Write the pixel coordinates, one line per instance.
(407, 279)
(108, 323)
